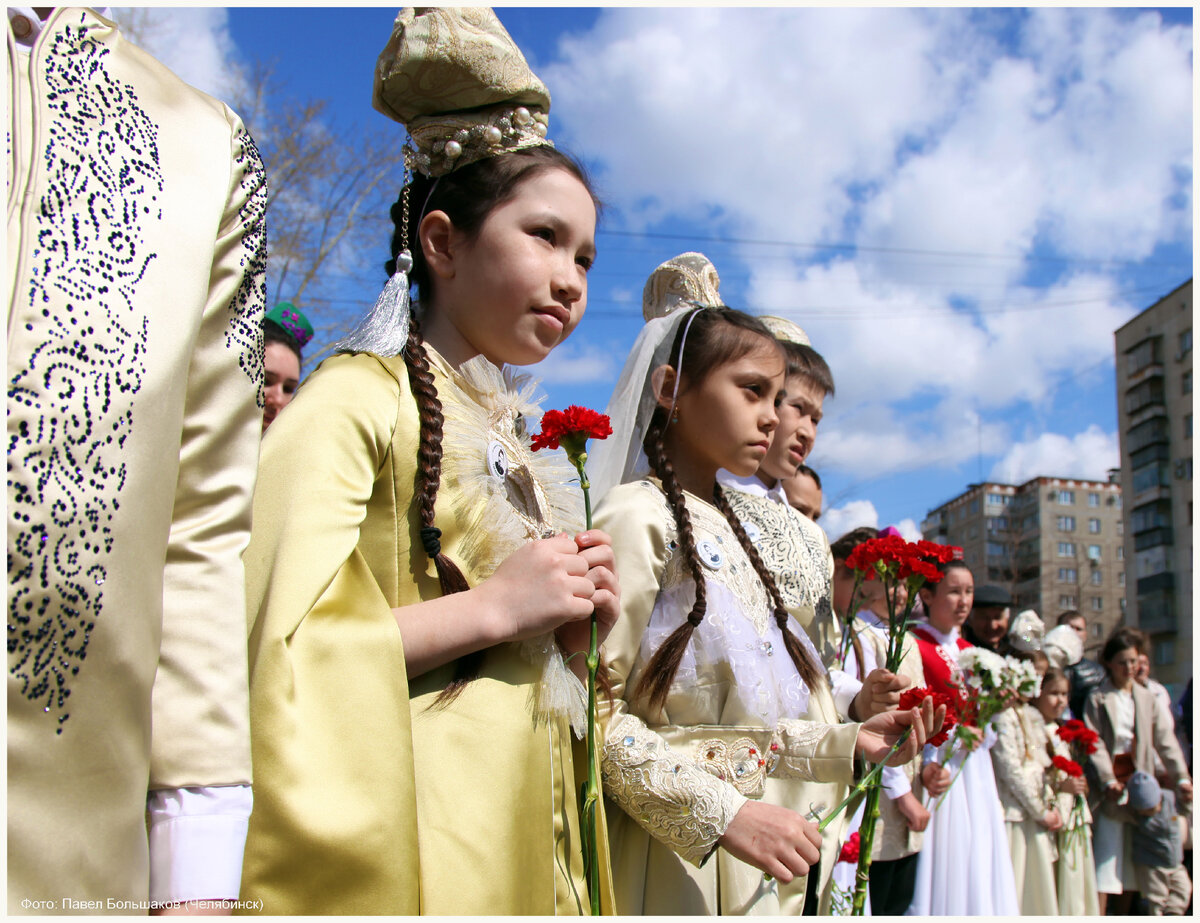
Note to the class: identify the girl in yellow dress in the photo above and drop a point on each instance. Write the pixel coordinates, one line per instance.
(411, 585)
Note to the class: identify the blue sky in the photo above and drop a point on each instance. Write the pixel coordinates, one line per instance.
(959, 205)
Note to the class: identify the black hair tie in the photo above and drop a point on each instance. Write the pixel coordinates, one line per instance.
(429, 540)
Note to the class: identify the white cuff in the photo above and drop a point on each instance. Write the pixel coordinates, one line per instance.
(845, 687)
(894, 781)
(197, 838)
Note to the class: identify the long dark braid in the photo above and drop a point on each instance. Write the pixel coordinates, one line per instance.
(660, 672)
(813, 674)
(426, 482)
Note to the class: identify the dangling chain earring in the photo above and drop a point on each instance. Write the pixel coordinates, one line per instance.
(384, 331)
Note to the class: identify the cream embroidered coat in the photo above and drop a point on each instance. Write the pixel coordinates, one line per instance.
(679, 775)
(136, 251)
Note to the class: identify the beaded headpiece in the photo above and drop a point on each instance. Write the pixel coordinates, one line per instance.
(689, 279)
(288, 316)
(1026, 631)
(787, 331)
(460, 85)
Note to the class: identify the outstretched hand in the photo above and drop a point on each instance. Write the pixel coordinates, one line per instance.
(878, 735)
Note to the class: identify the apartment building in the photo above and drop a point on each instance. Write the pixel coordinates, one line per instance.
(1055, 543)
(1154, 407)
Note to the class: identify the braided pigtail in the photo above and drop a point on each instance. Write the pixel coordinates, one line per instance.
(660, 672)
(812, 673)
(425, 490)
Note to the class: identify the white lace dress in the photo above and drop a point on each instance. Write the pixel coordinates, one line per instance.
(731, 725)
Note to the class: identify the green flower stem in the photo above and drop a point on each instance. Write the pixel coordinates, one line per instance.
(865, 782)
(591, 789)
(866, 843)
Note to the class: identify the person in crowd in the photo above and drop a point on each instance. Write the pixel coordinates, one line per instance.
(137, 250)
(964, 867)
(987, 625)
(799, 549)
(1084, 674)
(1151, 685)
(796, 552)
(285, 333)
(416, 572)
(803, 490)
(1158, 834)
(1074, 868)
(1020, 761)
(1132, 726)
(712, 675)
(902, 815)
(843, 576)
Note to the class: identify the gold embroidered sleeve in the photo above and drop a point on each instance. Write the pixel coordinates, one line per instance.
(674, 799)
(813, 751)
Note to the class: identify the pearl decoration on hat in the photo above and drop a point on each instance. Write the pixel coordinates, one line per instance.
(453, 150)
(493, 135)
(521, 116)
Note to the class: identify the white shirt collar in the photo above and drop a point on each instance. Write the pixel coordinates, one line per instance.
(941, 636)
(871, 619)
(751, 485)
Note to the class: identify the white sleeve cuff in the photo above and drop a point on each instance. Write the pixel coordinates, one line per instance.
(894, 781)
(845, 687)
(197, 838)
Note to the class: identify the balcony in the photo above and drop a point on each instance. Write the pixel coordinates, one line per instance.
(1158, 622)
(1153, 538)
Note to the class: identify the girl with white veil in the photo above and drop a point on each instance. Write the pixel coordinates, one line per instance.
(711, 675)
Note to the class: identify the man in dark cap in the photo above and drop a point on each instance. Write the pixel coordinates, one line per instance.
(987, 625)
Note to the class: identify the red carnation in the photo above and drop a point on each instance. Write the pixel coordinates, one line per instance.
(849, 851)
(1078, 733)
(912, 698)
(572, 428)
(1070, 767)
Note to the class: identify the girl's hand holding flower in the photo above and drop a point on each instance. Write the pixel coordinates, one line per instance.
(878, 735)
(935, 777)
(880, 693)
(1073, 785)
(1051, 820)
(595, 548)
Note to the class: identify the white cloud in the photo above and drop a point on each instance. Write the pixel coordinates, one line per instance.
(194, 42)
(838, 521)
(1086, 455)
(909, 529)
(577, 362)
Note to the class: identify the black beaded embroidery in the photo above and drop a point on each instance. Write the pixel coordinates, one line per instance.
(72, 399)
(246, 307)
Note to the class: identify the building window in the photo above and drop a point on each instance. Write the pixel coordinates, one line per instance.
(999, 499)
(996, 550)
(1120, 527)
(1155, 474)
(1065, 524)
(1187, 426)
(1122, 602)
(1066, 497)
(1187, 382)
(1144, 394)
(1121, 579)
(1097, 604)
(1148, 432)
(1120, 552)
(1067, 575)
(1067, 601)
(1097, 631)
(1093, 498)
(973, 506)
(1142, 355)
(1066, 549)
(1117, 498)
(1185, 343)
(1164, 655)
(1097, 578)
(1094, 552)
(997, 524)
(1094, 526)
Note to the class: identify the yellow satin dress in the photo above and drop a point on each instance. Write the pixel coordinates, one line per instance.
(369, 799)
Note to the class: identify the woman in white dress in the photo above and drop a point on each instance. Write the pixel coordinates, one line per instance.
(965, 867)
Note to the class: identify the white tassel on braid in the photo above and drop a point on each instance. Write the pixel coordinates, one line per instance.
(384, 331)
